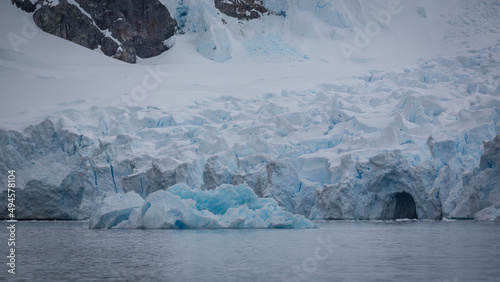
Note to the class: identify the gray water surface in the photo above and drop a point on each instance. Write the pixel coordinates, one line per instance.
(335, 251)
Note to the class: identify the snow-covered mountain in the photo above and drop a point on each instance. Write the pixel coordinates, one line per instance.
(336, 109)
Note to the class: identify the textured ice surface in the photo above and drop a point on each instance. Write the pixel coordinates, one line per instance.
(491, 213)
(114, 209)
(338, 151)
(274, 37)
(324, 138)
(181, 207)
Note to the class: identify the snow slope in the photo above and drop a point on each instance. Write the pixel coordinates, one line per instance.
(277, 105)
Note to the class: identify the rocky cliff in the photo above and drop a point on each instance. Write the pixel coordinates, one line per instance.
(241, 9)
(124, 30)
(121, 29)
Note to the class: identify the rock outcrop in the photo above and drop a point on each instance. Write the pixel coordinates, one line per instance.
(25, 5)
(142, 25)
(67, 21)
(241, 9)
(122, 29)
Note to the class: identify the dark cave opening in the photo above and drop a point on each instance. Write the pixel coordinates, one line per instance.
(401, 205)
(405, 206)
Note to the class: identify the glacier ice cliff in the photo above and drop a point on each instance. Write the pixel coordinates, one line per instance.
(379, 189)
(484, 185)
(180, 207)
(383, 145)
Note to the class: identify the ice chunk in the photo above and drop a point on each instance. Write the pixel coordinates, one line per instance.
(215, 44)
(112, 210)
(491, 213)
(182, 207)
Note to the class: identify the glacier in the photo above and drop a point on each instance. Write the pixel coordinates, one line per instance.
(272, 107)
(181, 207)
(341, 151)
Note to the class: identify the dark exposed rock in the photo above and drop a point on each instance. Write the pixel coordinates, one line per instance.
(126, 54)
(25, 5)
(140, 26)
(67, 21)
(109, 47)
(241, 9)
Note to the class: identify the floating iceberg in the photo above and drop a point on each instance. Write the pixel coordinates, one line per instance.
(181, 207)
(113, 210)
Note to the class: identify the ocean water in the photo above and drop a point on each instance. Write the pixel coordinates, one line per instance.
(335, 251)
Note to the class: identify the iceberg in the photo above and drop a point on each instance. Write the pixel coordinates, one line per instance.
(181, 207)
(114, 209)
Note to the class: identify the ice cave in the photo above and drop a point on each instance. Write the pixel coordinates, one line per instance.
(402, 205)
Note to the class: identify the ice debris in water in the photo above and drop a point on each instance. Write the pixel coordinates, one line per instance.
(181, 207)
